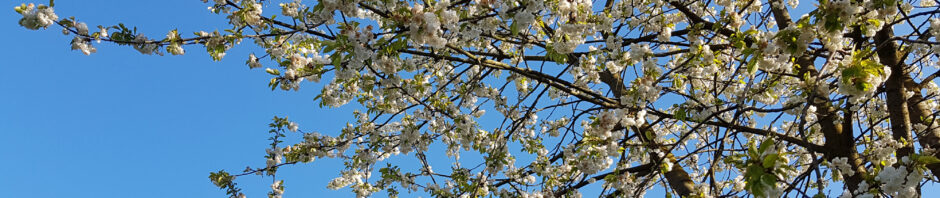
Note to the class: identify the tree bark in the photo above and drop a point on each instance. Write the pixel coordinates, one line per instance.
(838, 143)
(920, 114)
(677, 177)
(894, 91)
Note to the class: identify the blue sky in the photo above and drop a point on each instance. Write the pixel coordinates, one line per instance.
(121, 124)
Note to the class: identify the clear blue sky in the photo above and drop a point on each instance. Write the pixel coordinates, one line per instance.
(121, 124)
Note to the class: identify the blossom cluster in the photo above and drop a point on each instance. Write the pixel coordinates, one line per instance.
(547, 97)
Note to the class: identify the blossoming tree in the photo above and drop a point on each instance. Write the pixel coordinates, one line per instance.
(705, 98)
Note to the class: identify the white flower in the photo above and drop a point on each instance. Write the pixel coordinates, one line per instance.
(144, 47)
(479, 113)
(524, 19)
(431, 23)
(81, 28)
(668, 165)
(739, 183)
(437, 42)
(292, 126)
(450, 17)
(811, 114)
(919, 127)
(906, 7)
(928, 3)
(666, 33)
(253, 61)
(290, 9)
(253, 16)
(530, 179)
(638, 51)
(34, 19)
(842, 164)
(172, 35)
(81, 44)
(846, 194)
(898, 181)
(298, 61)
(613, 67)
(103, 31)
(175, 49)
(935, 26)
(276, 190)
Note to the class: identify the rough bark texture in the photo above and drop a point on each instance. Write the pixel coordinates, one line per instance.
(838, 143)
(920, 114)
(894, 91)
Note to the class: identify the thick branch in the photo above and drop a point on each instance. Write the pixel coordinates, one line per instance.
(894, 91)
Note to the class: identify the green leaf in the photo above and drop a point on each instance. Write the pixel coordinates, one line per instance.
(555, 56)
(750, 32)
(770, 160)
(680, 113)
(863, 86)
(752, 151)
(766, 144)
(221, 179)
(677, 82)
(275, 72)
(329, 46)
(514, 28)
(752, 65)
(20, 9)
(337, 60)
(833, 22)
(753, 174)
(768, 180)
(926, 159)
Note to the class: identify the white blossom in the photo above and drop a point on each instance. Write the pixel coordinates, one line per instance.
(81, 28)
(34, 18)
(79, 43)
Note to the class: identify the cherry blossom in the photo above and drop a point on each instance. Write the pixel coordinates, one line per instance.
(700, 98)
